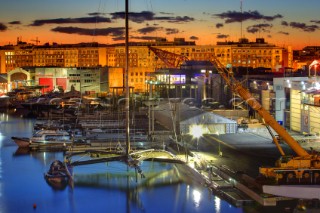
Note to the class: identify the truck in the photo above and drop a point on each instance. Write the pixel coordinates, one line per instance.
(304, 167)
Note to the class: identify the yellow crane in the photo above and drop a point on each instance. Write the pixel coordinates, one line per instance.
(302, 168)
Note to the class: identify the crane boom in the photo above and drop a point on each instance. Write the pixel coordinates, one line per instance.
(171, 60)
(237, 87)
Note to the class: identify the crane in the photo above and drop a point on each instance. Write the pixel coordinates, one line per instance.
(171, 60)
(302, 168)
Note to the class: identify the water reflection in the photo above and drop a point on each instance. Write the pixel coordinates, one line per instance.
(196, 198)
(0, 178)
(104, 187)
(217, 204)
(117, 178)
(21, 151)
(57, 185)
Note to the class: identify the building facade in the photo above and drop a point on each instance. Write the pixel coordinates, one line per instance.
(297, 103)
(141, 59)
(87, 81)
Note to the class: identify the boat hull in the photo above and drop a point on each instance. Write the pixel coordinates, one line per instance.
(58, 176)
(21, 142)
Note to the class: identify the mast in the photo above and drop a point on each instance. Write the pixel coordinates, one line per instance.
(241, 19)
(127, 106)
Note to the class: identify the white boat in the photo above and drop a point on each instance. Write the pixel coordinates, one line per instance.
(45, 137)
(22, 142)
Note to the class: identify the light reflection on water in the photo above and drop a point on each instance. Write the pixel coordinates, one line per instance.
(196, 197)
(0, 178)
(104, 187)
(217, 204)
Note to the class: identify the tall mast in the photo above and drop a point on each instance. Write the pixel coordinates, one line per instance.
(241, 19)
(127, 105)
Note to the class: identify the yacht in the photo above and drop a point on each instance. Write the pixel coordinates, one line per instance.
(45, 137)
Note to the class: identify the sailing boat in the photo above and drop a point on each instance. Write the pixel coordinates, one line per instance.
(125, 157)
(130, 158)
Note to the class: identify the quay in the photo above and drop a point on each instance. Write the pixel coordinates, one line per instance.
(238, 188)
(210, 162)
(212, 168)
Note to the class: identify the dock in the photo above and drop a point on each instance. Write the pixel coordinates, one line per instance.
(236, 187)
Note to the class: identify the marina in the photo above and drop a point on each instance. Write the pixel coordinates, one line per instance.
(97, 187)
(98, 135)
(108, 115)
(220, 179)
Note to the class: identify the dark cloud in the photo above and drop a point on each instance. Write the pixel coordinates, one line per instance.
(219, 25)
(170, 31)
(96, 14)
(178, 19)
(146, 38)
(118, 38)
(117, 31)
(315, 21)
(15, 22)
(304, 27)
(3, 27)
(134, 17)
(194, 38)
(252, 29)
(83, 20)
(258, 28)
(283, 33)
(221, 36)
(150, 16)
(146, 30)
(236, 16)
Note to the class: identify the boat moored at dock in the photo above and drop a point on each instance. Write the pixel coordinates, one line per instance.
(48, 137)
(22, 142)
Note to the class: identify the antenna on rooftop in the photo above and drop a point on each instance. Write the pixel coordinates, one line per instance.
(36, 41)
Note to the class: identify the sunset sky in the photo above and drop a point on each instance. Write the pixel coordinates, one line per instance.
(281, 22)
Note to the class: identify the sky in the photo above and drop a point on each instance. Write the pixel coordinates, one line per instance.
(285, 23)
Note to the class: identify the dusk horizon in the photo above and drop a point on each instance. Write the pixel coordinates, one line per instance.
(286, 23)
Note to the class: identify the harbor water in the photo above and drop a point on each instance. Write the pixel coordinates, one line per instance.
(103, 187)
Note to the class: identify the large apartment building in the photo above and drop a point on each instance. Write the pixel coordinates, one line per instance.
(242, 53)
(142, 60)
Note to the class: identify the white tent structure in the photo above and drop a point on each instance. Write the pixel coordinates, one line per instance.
(186, 116)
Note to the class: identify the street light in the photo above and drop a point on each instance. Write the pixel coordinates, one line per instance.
(196, 131)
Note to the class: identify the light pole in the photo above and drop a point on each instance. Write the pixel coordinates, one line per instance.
(196, 131)
(219, 148)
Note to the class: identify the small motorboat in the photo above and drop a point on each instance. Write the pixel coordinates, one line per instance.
(22, 142)
(57, 173)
